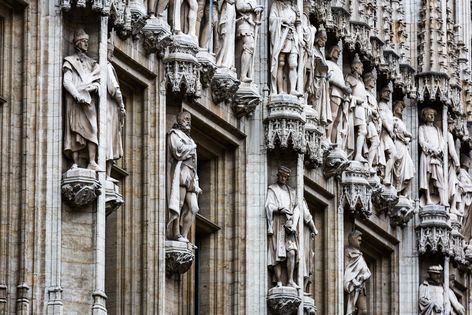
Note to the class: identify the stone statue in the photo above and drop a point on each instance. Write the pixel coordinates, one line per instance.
(285, 43)
(454, 306)
(227, 35)
(356, 273)
(374, 123)
(248, 21)
(404, 168)
(282, 218)
(357, 125)
(465, 189)
(82, 82)
(184, 187)
(320, 72)
(189, 17)
(387, 135)
(308, 45)
(431, 295)
(116, 114)
(454, 166)
(207, 23)
(309, 234)
(338, 90)
(431, 175)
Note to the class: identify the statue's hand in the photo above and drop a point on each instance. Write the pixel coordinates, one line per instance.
(437, 308)
(258, 9)
(80, 100)
(312, 234)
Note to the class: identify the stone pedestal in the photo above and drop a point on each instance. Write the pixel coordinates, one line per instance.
(309, 306)
(113, 197)
(285, 124)
(384, 198)
(156, 35)
(283, 300)
(434, 230)
(224, 85)
(334, 161)
(356, 190)
(138, 15)
(402, 212)
(456, 244)
(316, 143)
(246, 99)
(179, 256)
(207, 67)
(182, 69)
(80, 187)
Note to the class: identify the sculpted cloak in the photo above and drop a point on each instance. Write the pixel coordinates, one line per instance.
(114, 145)
(227, 32)
(356, 273)
(430, 138)
(431, 299)
(80, 71)
(404, 168)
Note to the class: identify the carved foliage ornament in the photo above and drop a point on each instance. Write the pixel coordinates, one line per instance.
(283, 300)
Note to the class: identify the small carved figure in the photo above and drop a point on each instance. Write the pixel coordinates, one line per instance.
(116, 114)
(431, 293)
(374, 123)
(308, 45)
(227, 35)
(465, 203)
(454, 166)
(338, 91)
(206, 24)
(309, 234)
(356, 273)
(184, 186)
(285, 39)
(404, 168)
(357, 125)
(431, 175)
(387, 135)
(82, 82)
(454, 307)
(320, 72)
(283, 214)
(248, 21)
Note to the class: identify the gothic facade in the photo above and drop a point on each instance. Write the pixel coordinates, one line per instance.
(235, 157)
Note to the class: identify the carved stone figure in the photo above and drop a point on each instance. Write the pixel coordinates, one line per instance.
(431, 293)
(320, 72)
(456, 308)
(184, 187)
(81, 81)
(453, 165)
(248, 21)
(356, 273)
(116, 114)
(465, 189)
(431, 175)
(357, 125)
(308, 45)
(309, 234)
(282, 217)
(387, 135)
(404, 168)
(338, 90)
(374, 123)
(206, 24)
(227, 33)
(285, 33)
(188, 16)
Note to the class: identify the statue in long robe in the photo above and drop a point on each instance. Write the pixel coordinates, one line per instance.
(356, 273)
(116, 114)
(431, 174)
(374, 123)
(320, 72)
(404, 168)
(283, 214)
(308, 45)
(454, 306)
(184, 186)
(431, 293)
(309, 233)
(453, 169)
(285, 46)
(81, 81)
(227, 35)
(387, 135)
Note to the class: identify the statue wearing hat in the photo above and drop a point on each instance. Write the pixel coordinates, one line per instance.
(431, 293)
(81, 82)
(355, 131)
(282, 218)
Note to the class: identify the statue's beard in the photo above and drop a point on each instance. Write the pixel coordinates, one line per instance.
(182, 128)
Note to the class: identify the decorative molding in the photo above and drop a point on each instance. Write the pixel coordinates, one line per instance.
(433, 232)
(80, 187)
(283, 300)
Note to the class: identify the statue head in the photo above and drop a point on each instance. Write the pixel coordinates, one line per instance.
(283, 175)
(398, 107)
(333, 53)
(81, 40)
(435, 272)
(184, 121)
(370, 79)
(385, 93)
(354, 239)
(321, 36)
(429, 114)
(356, 65)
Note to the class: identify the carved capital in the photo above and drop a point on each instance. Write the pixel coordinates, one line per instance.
(246, 99)
(179, 256)
(456, 241)
(224, 85)
(316, 143)
(402, 212)
(309, 306)
(283, 300)
(156, 36)
(434, 230)
(207, 67)
(356, 190)
(113, 197)
(335, 161)
(80, 187)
